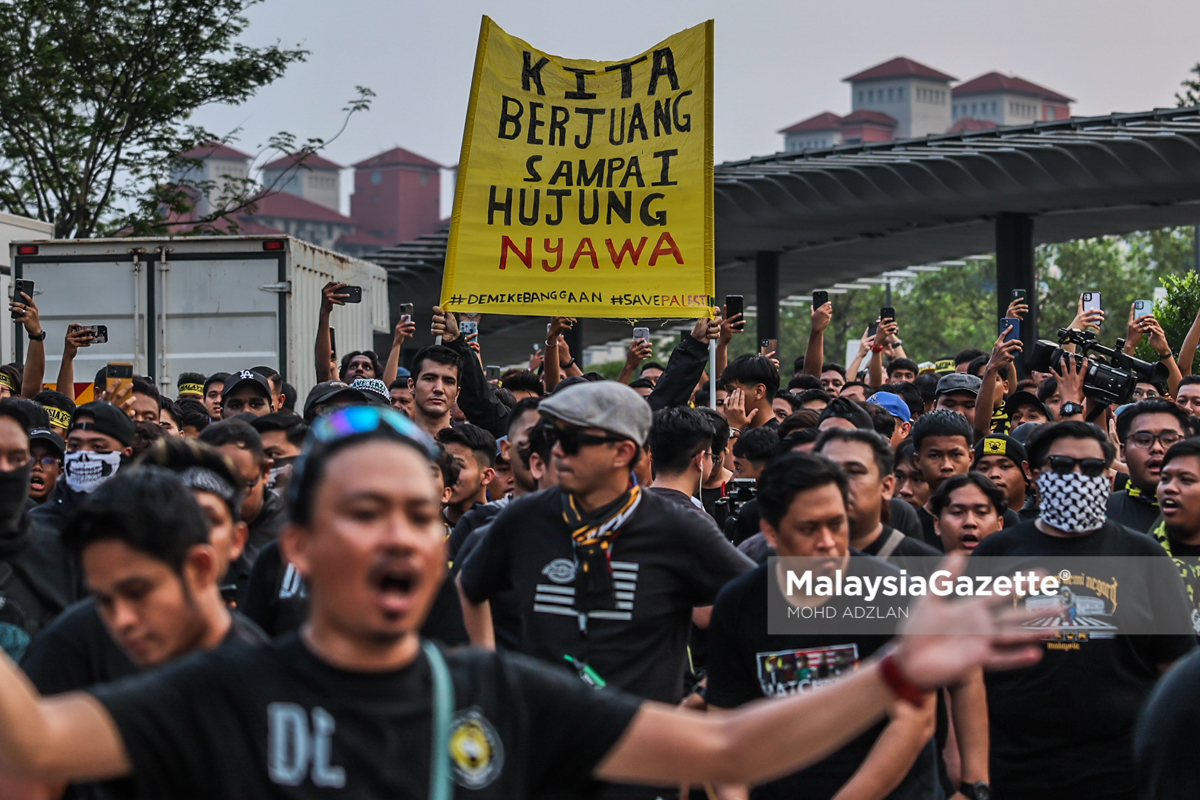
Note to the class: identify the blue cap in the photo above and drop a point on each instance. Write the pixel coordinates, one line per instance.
(401, 372)
(894, 404)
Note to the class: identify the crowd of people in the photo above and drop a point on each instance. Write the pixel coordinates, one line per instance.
(426, 581)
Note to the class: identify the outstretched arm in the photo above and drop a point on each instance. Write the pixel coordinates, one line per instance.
(943, 642)
(65, 737)
(814, 356)
(405, 328)
(324, 348)
(35, 358)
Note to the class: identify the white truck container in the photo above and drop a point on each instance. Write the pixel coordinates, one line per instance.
(12, 229)
(196, 304)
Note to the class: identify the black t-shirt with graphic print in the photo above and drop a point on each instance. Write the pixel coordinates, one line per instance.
(665, 561)
(1063, 727)
(746, 663)
(276, 721)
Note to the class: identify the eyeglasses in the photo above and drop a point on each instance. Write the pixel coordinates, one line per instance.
(47, 461)
(571, 439)
(1145, 439)
(1090, 467)
(363, 419)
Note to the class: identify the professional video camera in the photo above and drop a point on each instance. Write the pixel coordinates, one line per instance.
(1106, 381)
(738, 492)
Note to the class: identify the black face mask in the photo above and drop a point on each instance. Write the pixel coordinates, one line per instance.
(14, 494)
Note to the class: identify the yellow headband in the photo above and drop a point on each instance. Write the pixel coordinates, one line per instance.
(192, 388)
(58, 417)
(6, 380)
(944, 366)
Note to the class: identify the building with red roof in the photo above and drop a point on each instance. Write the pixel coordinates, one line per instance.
(316, 179)
(902, 98)
(916, 96)
(1008, 100)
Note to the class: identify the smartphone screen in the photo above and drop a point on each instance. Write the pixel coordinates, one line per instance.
(1091, 301)
(733, 306)
(21, 287)
(99, 334)
(493, 372)
(406, 311)
(117, 375)
(820, 298)
(1016, 328)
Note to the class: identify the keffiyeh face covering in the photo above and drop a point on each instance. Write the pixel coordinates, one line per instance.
(1073, 502)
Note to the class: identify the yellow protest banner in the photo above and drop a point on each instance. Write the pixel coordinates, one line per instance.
(585, 187)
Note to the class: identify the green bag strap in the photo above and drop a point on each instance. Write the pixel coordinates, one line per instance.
(441, 782)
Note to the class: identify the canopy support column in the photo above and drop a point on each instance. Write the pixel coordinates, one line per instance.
(1015, 269)
(766, 278)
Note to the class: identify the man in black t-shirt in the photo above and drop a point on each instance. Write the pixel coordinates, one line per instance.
(966, 510)
(941, 449)
(804, 501)
(1146, 431)
(606, 574)
(151, 562)
(866, 458)
(681, 444)
(1063, 728)
(1179, 532)
(358, 705)
(1004, 461)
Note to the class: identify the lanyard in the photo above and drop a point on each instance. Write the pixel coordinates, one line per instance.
(441, 786)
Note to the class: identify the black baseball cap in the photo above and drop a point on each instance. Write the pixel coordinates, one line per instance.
(105, 418)
(326, 392)
(1023, 398)
(47, 436)
(246, 377)
(999, 444)
(847, 409)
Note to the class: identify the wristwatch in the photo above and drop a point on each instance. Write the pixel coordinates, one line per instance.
(975, 791)
(41, 337)
(1069, 409)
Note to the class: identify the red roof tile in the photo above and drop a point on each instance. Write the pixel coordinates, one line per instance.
(821, 122)
(364, 237)
(971, 124)
(898, 67)
(314, 161)
(289, 206)
(866, 115)
(397, 155)
(999, 82)
(215, 150)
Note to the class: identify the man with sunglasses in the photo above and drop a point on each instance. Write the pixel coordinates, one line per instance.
(1146, 431)
(357, 704)
(1064, 727)
(606, 575)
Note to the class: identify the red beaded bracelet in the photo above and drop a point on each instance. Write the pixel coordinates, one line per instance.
(902, 687)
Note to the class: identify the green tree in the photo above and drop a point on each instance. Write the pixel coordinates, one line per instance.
(941, 313)
(94, 101)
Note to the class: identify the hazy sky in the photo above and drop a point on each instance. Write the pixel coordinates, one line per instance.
(777, 61)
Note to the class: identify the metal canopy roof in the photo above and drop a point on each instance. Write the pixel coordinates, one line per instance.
(855, 211)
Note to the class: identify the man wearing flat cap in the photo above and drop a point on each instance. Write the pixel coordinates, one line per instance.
(607, 575)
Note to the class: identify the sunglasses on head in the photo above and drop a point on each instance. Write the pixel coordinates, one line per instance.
(571, 439)
(353, 420)
(1065, 465)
